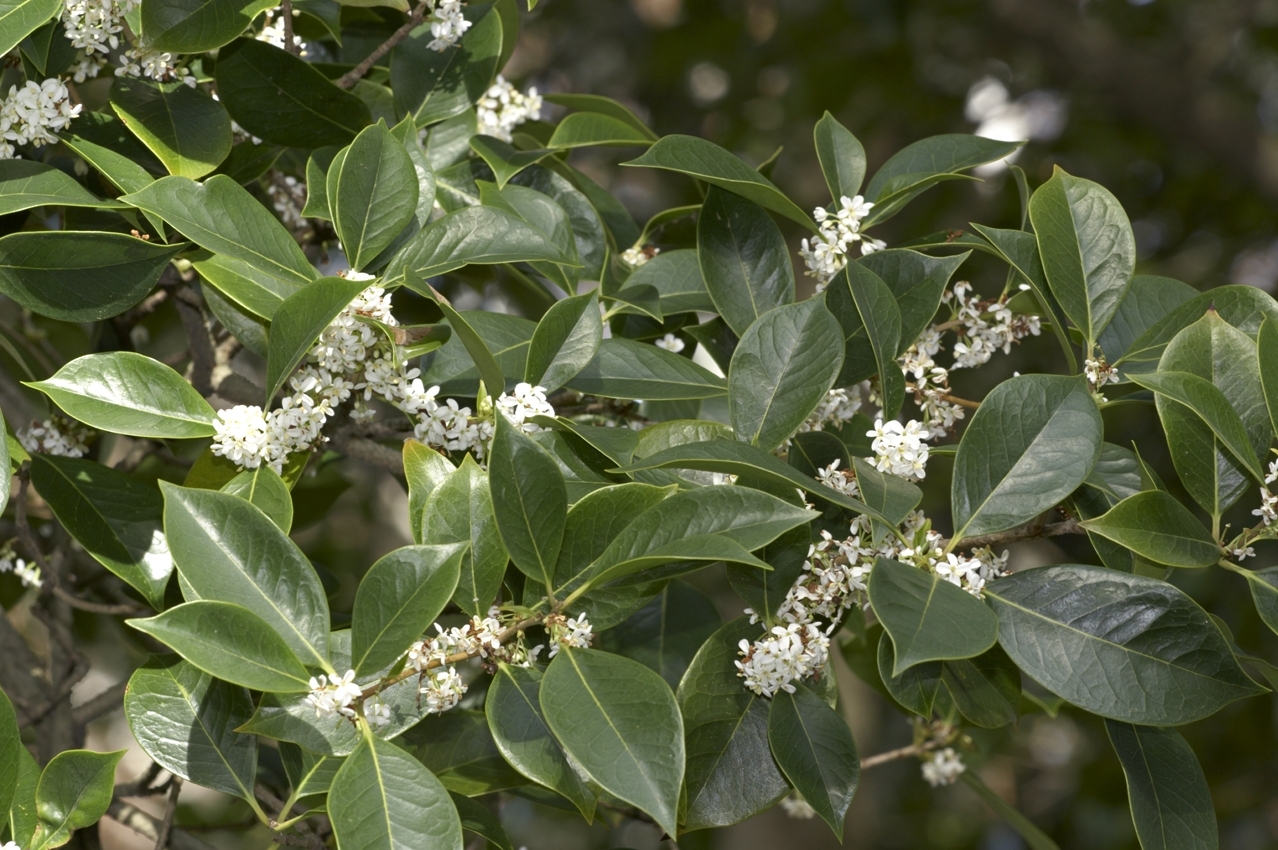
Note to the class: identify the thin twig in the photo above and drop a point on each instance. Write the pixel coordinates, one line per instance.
(912, 751)
(98, 607)
(961, 402)
(286, 10)
(170, 808)
(1029, 531)
(103, 703)
(354, 75)
(126, 814)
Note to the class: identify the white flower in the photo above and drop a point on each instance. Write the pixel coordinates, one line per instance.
(526, 402)
(943, 768)
(443, 690)
(783, 655)
(153, 64)
(636, 255)
(503, 108)
(95, 25)
(900, 450)
(34, 113)
(826, 255)
(448, 25)
(838, 406)
(570, 633)
(272, 32)
(1099, 373)
(376, 712)
(55, 436)
(29, 574)
(1268, 510)
(797, 807)
(333, 695)
(670, 342)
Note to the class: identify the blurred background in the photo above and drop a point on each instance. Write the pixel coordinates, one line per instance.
(1171, 104)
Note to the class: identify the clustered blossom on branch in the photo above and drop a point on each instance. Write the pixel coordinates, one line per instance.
(354, 361)
(639, 254)
(1268, 510)
(33, 114)
(1099, 373)
(943, 767)
(448, 24)
(28, 574)
(56, 435)
(827, 253)
(504, 107)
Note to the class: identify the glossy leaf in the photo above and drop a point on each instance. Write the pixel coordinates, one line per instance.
(519, 729)
(298, 323)
(115, 517)
(478, 820)
(384, 799)
(1148, 300)
(916, 281)
(228, 550)
(743, 259)
(923, 164)
(229, 642)
(283, 99)
(712, 164)
(731, 774)
(595, 521)
(264, 488)
(22, 816)
(10, 744)
(460, 510)
(602, 106)
(530, 501)
(624, 368)
(1158, 528)
(80, 276)
(985, 690)
(1122, 646)
(676, 276)
(194, 26)
(1087, 247)
(665, 634)
(566, 340)
(185, 720)
(841, 156)
(1264, 592)
(424, 469)
(19, 18)
(25, 184)
(1170, 800)
(927, 617)
(458, 747)
(74, 792)
(397, 600)
(373, 194)
(858, 292)
(620, 722)
(189, 131)
(505, 337)
(782, 369)
(310, 773)
(128, 393)
(432, 85)
(1031, 443)
(814, 748)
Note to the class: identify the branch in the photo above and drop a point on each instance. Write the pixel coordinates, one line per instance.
(103, 703)
(286, 9)
(98, 607)
(170, 808)
(912, 751)
(354, 75)
(1029, 531)
(126, 814)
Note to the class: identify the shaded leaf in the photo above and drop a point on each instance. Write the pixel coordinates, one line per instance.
(743, 259)
(814, 747)
(1157, 527)
(1171, 803)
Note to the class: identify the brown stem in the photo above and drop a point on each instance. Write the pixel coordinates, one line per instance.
(286, 9)
(1029, 531)
(961, 402)
(190, 307)
(354, 75)
(103, 703)
(98, 607)
(148, 826)
(912, 751)
(170, 808)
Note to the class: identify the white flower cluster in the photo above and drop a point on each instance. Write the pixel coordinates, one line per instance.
(481, 637)
(827, 253)
(333, 695)
(55, 436)
(142, 62)
(781, 656)
(376, 712)
(943, 767)
(796, 807)
(448, 24)
(1099, 373)
(568, 632)
(527, 401)
(272, 31)
(28, 574)
(638, 255)
(973, 571)
(443, 689)
(838, 406)
(34, 113)
(94, 26)
(900, 450)
(985, 326)
(671, 343)
(503, 108)
(1268, 510)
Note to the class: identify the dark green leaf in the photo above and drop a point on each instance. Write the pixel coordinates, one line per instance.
(1148, 300)
(256, 291)
(530, 501)
(185, 719)
(1122, 646)
(22, 817)
(916, 282)
(782, 369)
(504, 159)
(743, 259)
(74, 792)
(1158, 528)
(459, 748)
(128, 393)
(373, 194)
(477, 819)
(188, 130)
(309, 773)
(10, 744)
(298, 323)
(603, 106)
(25, 184)
(19, 18)
(986, 690)
(1171, 803)
(567, 338)
(595, 521)
(1244, 307)
(676, 275)
(841, 156)
(505, 337)
(624, 368)
(424, 470)
(667, 632)
(265, 489)
(1264, 592)
(583, 129)
(620, 722)
(814, 748)
(432, 85)
(460, 510)
(116, 518)
(194, 26)
(922, 164)
(1031, 443)
(855, 292)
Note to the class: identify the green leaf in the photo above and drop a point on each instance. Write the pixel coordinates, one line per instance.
(917, 282)
(259, 292)
(374, 194)
(665, 634)
(74, 792)
(986, 690)
(841, 156)
(1170, 800)
(1148, 300)
(221, 216)
(1267, 352)
(10, 744)
(194, 26)
(505, 337)
(1122, 646)
(927, 617)
(309, 773)
(459, 748)
(676, 276)
(229, 642)
(473, 235)
(1031, 443)
(625, 368)
(25, 184)
(854, 293)
(264, 488)
(1087, 247)
(619, 720)
(80, 276)
(424, 469)
(397, 600)
(298, 323)
(712, 164)
(189, 131)
(504, 159)
(384, 799)
(283, 99)
(1158, 528)
(814, 747)
(889, 496)
(743, 259)
(782, 369)
(460, 510)
(519, 729)
(584, 129)
(489, 369)
(128, 393)
(566, 340)
(1244, 307)
(432, 85)
(185, 719)
(922, 164)
(1034, 837)
(22, 817)
(122, 172)
(229, 551)
(1264, 592)
(115, 517)
(602, 106)
(707, 524)
(731, 774)
(595, 521)
(19, 18)
(478, 820)
(530, 500)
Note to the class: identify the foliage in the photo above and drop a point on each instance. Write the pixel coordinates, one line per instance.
(657, 402)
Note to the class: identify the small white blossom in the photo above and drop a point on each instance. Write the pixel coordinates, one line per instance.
(900, 450)
(1099, 373)
(797, 807)
(526, 402)
(637, 255)
(568, 633)
(443, 690)
(503, 108)
(782, 656)
(35, 113)
(162, 67)
(95, 25)
(827, 253)
(376, 712)
(29, 574)
(839, 405)
(448, 24)
(943, 768)
(333, 695)
(671, 343)
(55, 436)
